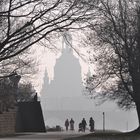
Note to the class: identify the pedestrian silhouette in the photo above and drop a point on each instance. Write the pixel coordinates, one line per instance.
(35, 97)
(91, 124)
(67, 124)
(71, 124)
(80, 127)
(84, 123)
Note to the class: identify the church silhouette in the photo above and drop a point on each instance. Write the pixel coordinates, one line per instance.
(67, 82)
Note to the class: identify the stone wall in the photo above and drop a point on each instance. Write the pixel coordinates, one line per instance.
(8, 122)
(30, 117)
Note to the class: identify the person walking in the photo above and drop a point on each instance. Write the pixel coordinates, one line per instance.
(71, 124)
(80, 127)
(91, 124)
(67, 124)
(84, 123)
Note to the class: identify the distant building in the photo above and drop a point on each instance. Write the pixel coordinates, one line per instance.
(67, 80)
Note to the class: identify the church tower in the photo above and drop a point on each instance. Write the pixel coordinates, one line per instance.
(67, 82)
(44, 90)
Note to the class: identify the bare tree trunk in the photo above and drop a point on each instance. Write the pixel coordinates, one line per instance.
(136, 87)
(138, 114)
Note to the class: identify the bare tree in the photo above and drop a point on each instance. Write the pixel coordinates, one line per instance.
(8, 91)
(24, 64)
(26, 92)
(117, 51)
(8, 97)
(22, 28)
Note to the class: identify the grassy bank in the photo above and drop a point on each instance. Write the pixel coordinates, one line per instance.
(108, 136)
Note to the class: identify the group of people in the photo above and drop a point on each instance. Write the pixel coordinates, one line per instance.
(82, 124)
(69, 123)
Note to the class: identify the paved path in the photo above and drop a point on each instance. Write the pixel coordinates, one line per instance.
(44, 136)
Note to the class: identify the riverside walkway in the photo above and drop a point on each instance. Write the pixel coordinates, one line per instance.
(44, 136)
